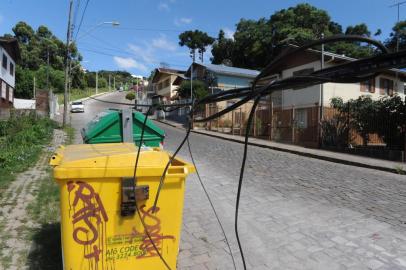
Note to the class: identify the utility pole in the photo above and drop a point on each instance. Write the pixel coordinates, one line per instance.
(48, 68)
(34, 90)
(398, 4)
(68, 38)
(97, 82)
(109, 82)
(321, 96)
(114, 83)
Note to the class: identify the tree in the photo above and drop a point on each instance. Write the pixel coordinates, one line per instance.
(195, 40)
(23, 32)
(222, 49)
(391, 113)
(199, 89)
(257, 42)
(36, 47)
(130, 96)
(399, 30)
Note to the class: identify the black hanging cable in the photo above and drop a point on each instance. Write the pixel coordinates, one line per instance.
(162, 180)
(150, 238)
(211, 203)
(144, 124)
(136, 206)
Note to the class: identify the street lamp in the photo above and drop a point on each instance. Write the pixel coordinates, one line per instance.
(112, 23)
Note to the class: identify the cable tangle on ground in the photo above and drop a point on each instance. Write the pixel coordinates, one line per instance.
(352, 72)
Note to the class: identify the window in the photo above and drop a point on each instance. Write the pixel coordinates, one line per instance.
(368, 86)
(386, 86)
(11, 69)
(4, 61)
(301, 118)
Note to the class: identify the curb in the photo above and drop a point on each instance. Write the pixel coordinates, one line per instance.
(311, 155)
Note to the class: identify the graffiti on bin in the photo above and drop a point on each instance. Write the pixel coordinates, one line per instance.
(137, 243)
(88, 219)
(153, 226)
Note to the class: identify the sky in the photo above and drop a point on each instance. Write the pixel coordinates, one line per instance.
(148, 32)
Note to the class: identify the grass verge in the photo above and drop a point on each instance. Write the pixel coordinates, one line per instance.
(22, 138)
(80, 93)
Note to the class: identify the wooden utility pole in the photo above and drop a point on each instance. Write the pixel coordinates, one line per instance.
(67, 62)
(34, 90)
(97, 82)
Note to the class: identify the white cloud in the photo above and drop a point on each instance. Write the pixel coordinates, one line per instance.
(146, 54)
(163, 43)
(228, 33)
(129, 63)
(182, 21)
(163, 6)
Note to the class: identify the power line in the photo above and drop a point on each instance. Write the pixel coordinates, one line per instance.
(81, 19)
(75, 14)
(126, 55)
(142, 29)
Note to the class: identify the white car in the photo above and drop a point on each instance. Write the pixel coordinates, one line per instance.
(77, 106)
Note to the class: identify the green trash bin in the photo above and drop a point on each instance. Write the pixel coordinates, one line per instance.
(107, 127)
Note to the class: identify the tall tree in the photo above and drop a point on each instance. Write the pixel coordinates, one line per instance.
(222, 49)
(399, 30)
(257, 42)
(196, 41)
(36, 48)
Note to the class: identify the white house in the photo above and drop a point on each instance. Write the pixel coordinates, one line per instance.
(9, 54)
(390, 82)
(297, 112)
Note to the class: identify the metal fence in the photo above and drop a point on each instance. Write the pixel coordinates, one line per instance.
(304, 126)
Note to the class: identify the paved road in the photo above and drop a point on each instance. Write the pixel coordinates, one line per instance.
(296, 212)
(92, 108)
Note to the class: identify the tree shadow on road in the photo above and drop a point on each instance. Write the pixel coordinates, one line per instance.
(46, 250)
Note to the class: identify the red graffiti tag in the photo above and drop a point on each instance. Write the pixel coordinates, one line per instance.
(153, 226)
(90, 215)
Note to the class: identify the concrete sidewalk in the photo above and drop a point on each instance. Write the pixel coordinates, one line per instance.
(348, 159)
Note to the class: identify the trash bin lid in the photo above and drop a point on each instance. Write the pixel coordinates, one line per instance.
(106, 128)
(113, 160)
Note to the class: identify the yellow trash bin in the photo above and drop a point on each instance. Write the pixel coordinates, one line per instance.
(100, 226)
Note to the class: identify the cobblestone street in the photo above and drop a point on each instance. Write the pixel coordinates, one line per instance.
(296, 212)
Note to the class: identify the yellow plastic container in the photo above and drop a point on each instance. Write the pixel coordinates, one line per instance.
(100, 229)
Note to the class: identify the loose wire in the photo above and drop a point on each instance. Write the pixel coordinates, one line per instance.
(211, 203)
(136, 206)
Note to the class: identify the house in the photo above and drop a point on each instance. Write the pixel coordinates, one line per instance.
(9, 54)
(221, 77)
(297, 113)
(163, 82)
(389, 83)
